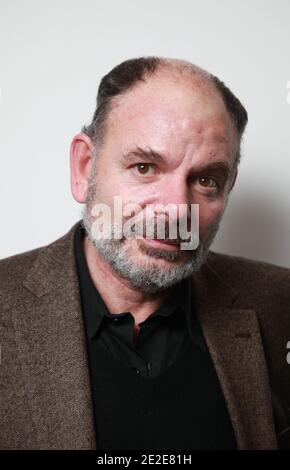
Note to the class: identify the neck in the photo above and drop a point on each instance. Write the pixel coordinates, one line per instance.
(118, 294)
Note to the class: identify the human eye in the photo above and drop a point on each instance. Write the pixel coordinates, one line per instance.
(144, 168)
(208, 182)
(210, 186)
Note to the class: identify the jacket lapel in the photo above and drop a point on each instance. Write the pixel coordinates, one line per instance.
(234, 341)
(52, 349)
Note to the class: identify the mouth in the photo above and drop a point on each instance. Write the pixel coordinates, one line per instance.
(167, 244)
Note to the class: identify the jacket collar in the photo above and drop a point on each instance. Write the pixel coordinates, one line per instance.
(52, 350)
(233, 337)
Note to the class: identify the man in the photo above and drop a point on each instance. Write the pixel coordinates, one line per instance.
(131, 342)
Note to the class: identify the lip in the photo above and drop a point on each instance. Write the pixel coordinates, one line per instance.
(162, 244)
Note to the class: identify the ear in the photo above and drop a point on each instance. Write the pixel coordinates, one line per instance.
(81, 150)
(234, 177)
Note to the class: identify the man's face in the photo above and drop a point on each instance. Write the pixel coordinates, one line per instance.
(168, 141)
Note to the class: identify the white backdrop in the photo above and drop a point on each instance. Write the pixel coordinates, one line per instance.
(53, 54)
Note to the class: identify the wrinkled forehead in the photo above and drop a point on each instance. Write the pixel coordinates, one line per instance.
(167, 110)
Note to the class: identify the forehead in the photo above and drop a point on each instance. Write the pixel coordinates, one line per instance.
(169, 111)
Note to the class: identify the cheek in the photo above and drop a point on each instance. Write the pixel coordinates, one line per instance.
(132, 195)
(208, 214)
(108, 188)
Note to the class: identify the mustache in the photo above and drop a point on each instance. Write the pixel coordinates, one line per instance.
(159, 229)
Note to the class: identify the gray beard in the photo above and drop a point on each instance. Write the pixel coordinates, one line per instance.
(146, 277)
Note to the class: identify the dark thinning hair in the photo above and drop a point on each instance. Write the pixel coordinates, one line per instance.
(127, 74)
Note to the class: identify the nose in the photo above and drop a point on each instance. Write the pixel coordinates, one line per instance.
(174, 192)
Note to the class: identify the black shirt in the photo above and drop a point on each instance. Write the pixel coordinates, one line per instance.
(161, 335)
(170, 349)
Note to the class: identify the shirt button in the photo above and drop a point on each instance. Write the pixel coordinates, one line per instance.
(115, 320)
(136, 370)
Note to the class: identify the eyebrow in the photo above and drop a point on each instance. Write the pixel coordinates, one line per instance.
(222, 168)
(148, 154)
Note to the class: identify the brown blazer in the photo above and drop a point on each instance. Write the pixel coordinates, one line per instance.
(244, 310)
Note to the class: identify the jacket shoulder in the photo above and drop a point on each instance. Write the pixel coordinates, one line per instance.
(258, 284)
(239, 270)
(14, 269)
